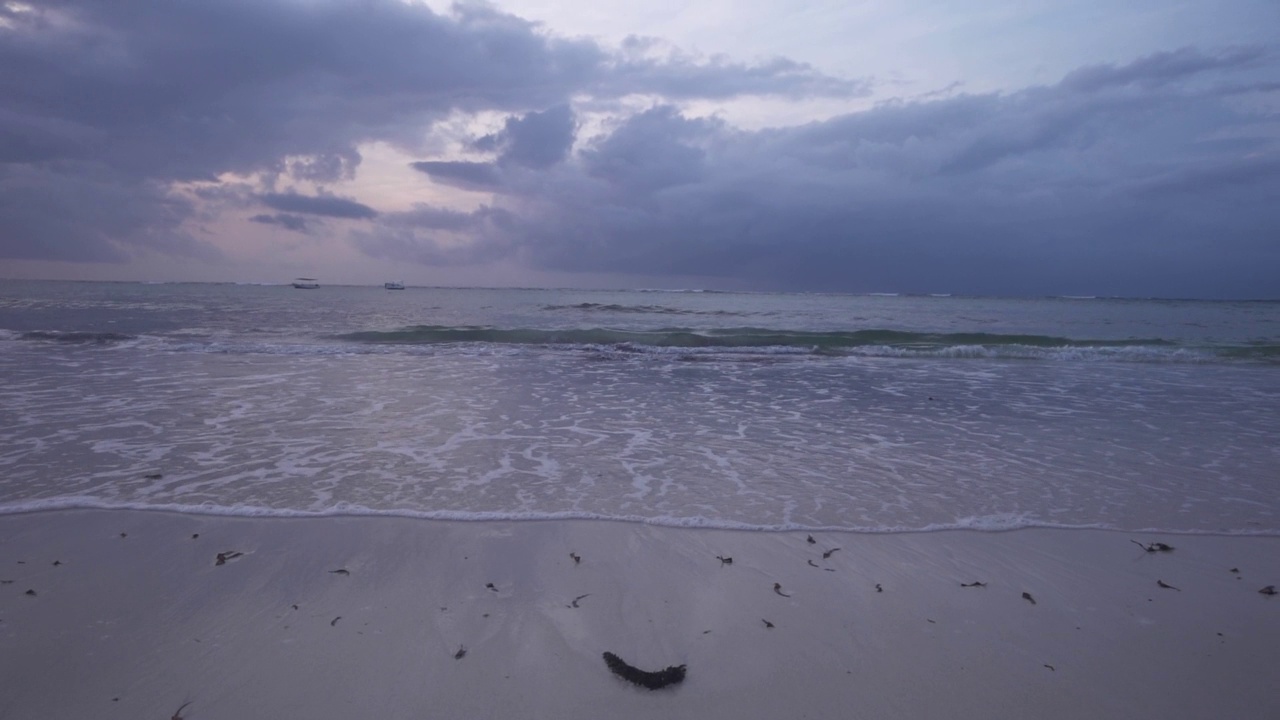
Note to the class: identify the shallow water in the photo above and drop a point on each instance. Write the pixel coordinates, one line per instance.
(867, 413)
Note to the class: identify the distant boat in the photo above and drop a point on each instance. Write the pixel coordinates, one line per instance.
(306, 283)
(393, 285)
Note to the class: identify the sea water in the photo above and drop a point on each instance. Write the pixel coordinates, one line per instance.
(741, 410)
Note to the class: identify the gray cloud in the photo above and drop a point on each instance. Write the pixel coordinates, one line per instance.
(46, 215)
(466, 175)
(535, 140)
(1156, 176)
(131, 96)
(1158, 69)
(325, 205)
(297, 223)
(1108, 186)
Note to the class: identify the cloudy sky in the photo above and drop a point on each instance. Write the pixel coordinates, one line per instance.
(1009, 147)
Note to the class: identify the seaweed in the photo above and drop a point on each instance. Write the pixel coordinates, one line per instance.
(651, 680)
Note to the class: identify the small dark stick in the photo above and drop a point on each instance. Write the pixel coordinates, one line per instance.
(975, 583)
(334, 621)
(574, 604)
(777, 587)
(724, 560)
(768, 625)
(340, 571)
(1027, 596)
(491, 587)
(828, 553)
(462, 652)
(1167, 586)
(177, 714)
(652, 680)
(152, 476)
(812, 563)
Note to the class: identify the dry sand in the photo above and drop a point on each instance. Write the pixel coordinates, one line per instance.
(133, 626)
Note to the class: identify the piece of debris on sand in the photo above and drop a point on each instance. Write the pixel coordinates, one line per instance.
(224, 557)
(1154, 547)
(651, 680)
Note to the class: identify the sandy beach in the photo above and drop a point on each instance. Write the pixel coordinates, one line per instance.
(127, 614)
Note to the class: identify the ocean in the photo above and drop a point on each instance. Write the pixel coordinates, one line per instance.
(733, 410)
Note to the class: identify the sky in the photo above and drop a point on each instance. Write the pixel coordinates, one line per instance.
(1002, 147)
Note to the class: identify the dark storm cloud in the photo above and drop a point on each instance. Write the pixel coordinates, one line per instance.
(466, 175)
(322, 205)
(296, 223)
(535, 140)
(82, 217)
(111, 103)
(1146, 178)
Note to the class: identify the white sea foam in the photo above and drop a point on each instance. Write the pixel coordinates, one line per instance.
(689, 522)
(236, 419)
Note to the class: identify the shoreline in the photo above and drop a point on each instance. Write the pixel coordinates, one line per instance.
(450, 516)
(133, 626)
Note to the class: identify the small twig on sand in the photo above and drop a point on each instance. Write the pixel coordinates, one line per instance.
(652, 680)
(224, 557)
(1167, 586)
(1027, 596)
(177, 714)
(777, 587)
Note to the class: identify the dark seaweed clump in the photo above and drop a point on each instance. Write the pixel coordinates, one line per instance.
(643, 678)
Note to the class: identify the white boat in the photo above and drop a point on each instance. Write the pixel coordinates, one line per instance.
(393, 285)
(306, 283)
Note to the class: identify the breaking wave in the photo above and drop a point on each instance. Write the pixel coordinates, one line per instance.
(858, 343)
